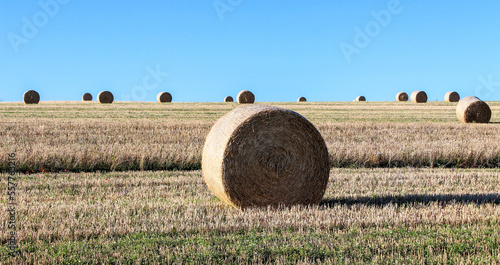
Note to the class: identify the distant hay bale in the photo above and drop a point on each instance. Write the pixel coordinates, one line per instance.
(360, 98)
(31, 97)
(302, 99)
(228, 99)
(164, 97)
(105, 97)
(87, 97)
(245, 97)
(472, 109)
(418, 97)
(402, 96)
(260, 155)
(451, 96)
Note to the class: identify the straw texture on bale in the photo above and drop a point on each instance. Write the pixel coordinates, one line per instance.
(105, 97)
(164, 97)
(472, 109)
(265, 156)
(31, 97)
(360, 98)
(402, 96)
(245, 97)
(302, 99)
(87, 97)
(418, 97)
(452, 96)
(228, 99)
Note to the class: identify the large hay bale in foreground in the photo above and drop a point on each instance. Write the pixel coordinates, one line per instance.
(164, 97)
(402, 96)
(452, 96)
(31, 97)
(87, 97)
(472, 109)
(261, 155)
(418, 97)
(105, 97)
(360, 98)
(228, 99)
(245, 97)
(302, 99)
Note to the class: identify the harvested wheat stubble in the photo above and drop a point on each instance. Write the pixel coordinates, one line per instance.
(402, 96)
(245, 97)
(87, 97)
(472, 109)
(360, 98)
(164, 97)
(302, 99)
(228, 99)
(452, 96)
(105, 97)
(31, 97)
(265, 156)
(418, 97)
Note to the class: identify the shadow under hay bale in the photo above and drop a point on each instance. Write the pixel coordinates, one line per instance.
(412, 199)
(265, 156)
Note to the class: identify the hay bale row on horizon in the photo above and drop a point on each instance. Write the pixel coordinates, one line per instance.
(243, 97)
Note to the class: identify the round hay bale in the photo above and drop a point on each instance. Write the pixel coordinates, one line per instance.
(360, 98)
(452, 96)
(402, 96)
(105, 97)
(302, 99)
(472, 109)
(418, 97)
(245, 97)
(164, 97)
(87, 97)
(261, 155)
(31, 97)
(228, 99)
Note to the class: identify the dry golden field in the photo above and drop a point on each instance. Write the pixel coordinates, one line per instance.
(85, 137)
(121, 184)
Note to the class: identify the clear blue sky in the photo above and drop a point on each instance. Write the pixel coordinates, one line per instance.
(325, 50)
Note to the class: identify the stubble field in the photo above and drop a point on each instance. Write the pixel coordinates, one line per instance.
(121, 183)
